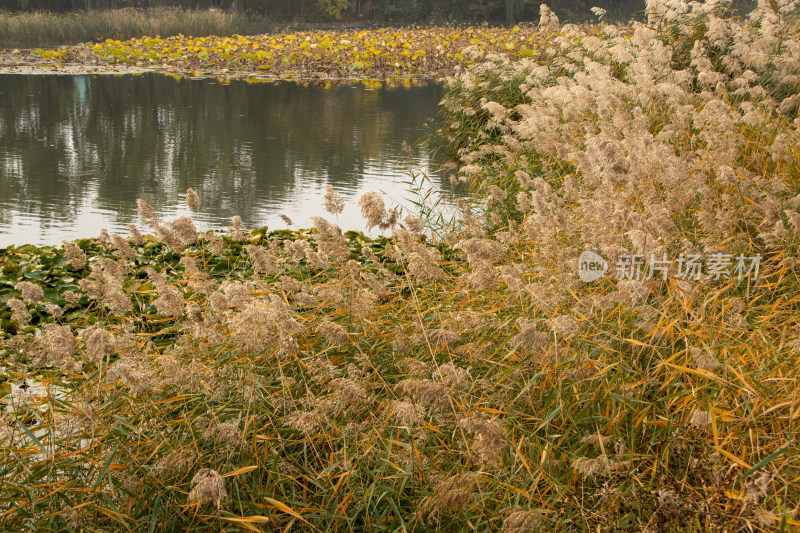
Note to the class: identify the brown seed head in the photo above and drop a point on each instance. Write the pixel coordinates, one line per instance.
(264, 260)
(700, 419)
(183, 229)
(30, 291)
(756, 487)
(215, 243)
(19, 312)
(591, 467)
(456, 492)
(406, 413)
(192, 200)
(207, 486)
(71, 297)
(333, 203)
(413, 224)
(170, 302)
(99, 343)
(237, 228)
(424, 391)
(147, 213)
(452, 375)
(53, 310)
(75, 256)
(122, 247)
(595, 440)
(178, 461)
(703, 360)
(333, 333)
(349, 392)
(227, 433)
(373, 208)
(522, 522)
(136, 236)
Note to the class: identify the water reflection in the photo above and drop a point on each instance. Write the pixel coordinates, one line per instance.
(76, 151)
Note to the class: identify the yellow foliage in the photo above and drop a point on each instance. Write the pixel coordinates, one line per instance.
(378, 54)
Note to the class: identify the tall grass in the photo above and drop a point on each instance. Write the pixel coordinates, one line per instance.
(28, 30)
(324, 381)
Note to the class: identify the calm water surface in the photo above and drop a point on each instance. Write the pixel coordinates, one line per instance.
(77, 151)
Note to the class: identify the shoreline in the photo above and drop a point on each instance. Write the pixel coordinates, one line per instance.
(43, 67)
(77, 69)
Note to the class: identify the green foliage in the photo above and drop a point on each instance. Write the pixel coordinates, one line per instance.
(333, 8)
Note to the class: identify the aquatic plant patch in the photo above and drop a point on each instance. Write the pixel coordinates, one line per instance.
(377, 54)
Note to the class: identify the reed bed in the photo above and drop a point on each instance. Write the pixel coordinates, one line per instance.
(30, 30)
(468, 379)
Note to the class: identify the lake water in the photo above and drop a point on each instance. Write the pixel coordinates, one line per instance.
(77, 151)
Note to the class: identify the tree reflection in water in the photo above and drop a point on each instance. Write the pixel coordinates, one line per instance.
(76, 151)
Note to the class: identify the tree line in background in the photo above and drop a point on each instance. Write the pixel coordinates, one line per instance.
(384, 11)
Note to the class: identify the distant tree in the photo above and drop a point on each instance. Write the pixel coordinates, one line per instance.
(509, 12)
(333, 8)
(512, 11)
